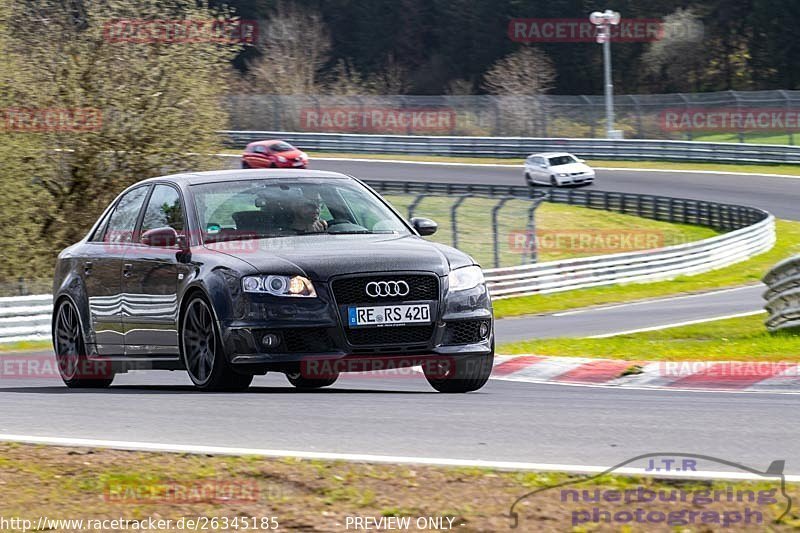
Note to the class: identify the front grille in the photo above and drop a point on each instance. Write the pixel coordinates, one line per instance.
(353, 290)
(390, 335)
(464, 332)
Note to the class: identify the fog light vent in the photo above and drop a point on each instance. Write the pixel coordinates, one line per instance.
(270, 340)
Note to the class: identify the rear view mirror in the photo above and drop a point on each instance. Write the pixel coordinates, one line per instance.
(424, 226)
(161, 237)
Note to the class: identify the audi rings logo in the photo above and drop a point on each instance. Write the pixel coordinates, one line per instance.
(376, 289)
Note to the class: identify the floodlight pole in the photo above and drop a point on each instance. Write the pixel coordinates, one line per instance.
(604, 21)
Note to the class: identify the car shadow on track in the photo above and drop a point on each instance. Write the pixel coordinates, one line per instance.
(187, 389)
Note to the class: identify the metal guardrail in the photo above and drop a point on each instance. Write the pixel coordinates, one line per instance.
(25, 317)
(651, 265)
(750, 232)
(783, 295)
(520, 147)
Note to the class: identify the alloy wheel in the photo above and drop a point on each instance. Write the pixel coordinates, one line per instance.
(199, 341)
(68, 341)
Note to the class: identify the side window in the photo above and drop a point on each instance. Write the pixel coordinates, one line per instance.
(260, 149)
(123, 219)
(98, 234)
(164, 209)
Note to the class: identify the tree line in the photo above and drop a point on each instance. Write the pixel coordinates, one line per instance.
(447, 46)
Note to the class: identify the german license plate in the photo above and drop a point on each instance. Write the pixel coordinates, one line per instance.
(388, 315)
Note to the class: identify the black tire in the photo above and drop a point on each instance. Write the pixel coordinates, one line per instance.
(553, 182)
(75, 368)
(529, 180)
(246, 165)
(203, 353)
(464, 374)
(296, 379)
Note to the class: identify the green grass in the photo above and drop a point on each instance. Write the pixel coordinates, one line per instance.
(749, 138)
(475, 220)
(734, 339)
(26, 346)
(746, 272)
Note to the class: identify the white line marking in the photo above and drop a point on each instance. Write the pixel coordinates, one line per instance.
(677, 324)
(690, 171)
(648, 388)
(655, 300)
(367, 458)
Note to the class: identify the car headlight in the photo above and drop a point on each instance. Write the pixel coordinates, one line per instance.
(563, 175)
(465, 278)
(291, 286)
(303, 155)
(281, 159)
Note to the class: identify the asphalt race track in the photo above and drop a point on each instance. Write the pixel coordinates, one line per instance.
(637, 315)
(403, 416)
(505, 421)
(776, 195)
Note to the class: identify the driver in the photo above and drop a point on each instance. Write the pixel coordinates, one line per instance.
(305, 217)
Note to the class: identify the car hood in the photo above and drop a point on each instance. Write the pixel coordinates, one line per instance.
(572, 167)
(320, 257)
(291, 154)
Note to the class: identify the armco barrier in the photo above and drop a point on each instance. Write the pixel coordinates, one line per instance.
(519, 147)
(25, 317)
(783, 295)
(750, 231)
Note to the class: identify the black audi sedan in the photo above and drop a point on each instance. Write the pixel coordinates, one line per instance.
(232, 274)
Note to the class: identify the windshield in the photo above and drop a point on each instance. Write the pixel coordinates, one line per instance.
(561, 160)
(281, 147)
(265, 208)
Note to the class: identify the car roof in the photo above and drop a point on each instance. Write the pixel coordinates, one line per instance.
(195, 178)
(267, 142)
(551, 154)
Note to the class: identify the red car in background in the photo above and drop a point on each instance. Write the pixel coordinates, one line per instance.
(273, 154)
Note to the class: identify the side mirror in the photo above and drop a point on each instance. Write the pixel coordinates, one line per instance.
(424, 226)
(581, 160)
(162, 238)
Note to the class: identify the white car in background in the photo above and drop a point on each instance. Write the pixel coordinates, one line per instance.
(557, 169)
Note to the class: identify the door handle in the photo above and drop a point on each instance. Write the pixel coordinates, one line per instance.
(87, 267)
(127, 269)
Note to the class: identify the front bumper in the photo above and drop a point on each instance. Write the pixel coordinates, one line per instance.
(291, 164)
(583, 179)
(316, 329)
